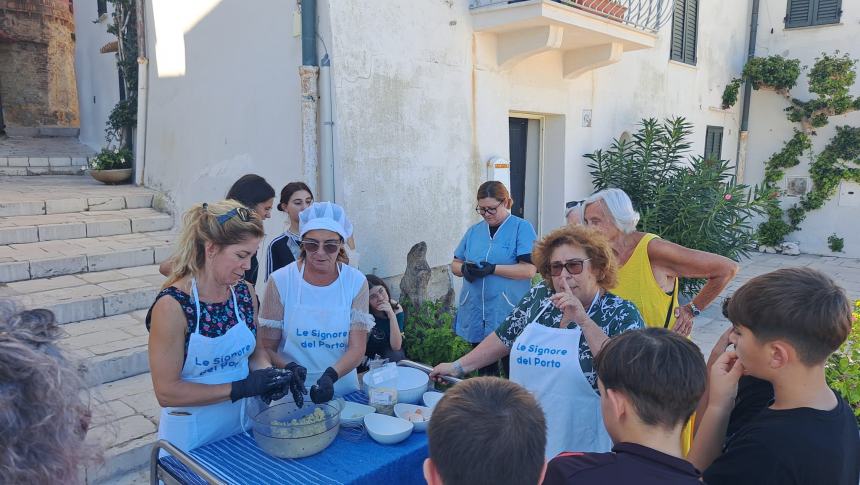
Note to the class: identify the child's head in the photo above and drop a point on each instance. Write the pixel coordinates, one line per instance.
(379, 293)
(650, 377)
(791, 315)
(486, 430)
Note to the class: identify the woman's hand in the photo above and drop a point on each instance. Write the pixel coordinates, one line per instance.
(384, 307)
(723, 380)
(569, 305)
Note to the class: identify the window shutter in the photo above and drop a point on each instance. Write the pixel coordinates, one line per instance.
(827, 12)
(714, 142)
(677, 53)
(101, 7)
(690, 30)
(799, 13)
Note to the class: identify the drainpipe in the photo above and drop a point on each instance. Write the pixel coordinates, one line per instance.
(743, 136)
(142, 94)
(327, 178)
(309, 73)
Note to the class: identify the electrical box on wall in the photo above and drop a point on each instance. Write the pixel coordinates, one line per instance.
(499, 169)
(849, 194)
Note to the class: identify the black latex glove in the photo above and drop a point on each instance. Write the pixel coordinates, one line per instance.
(258, 383)
(484, 269)
(323, 390)
(467, 270)
(279, 392)
(297, 382)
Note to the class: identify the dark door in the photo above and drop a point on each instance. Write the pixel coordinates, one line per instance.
(518, 135)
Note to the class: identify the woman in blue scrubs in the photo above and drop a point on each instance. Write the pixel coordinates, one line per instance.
(494, 258)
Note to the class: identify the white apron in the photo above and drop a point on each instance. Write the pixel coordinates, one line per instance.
(545, 361)
(316, 333)
(211, 360)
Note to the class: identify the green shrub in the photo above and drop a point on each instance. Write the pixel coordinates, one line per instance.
(730, 94)
(774, 72)
(835, 243)
(111, 159)
(693, 202)
(843, 367)
(429, 331)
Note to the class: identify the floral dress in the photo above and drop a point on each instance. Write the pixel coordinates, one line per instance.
(612, 314)
(215, 318)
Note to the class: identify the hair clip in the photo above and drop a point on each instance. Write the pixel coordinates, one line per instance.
(205, 206)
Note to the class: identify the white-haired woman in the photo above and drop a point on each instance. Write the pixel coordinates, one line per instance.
(315, 310)
(650, 267)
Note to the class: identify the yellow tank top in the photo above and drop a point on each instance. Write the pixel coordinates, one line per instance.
(636, 283)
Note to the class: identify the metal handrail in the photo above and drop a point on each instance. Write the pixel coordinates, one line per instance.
(426, 368)
(648, 15)
(183, 458)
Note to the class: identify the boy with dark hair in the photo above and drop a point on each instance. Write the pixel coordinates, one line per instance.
(486, 430)
(650, 382)
(785, 325)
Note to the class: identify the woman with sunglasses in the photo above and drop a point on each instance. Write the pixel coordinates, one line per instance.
(204, 351)
(494, 259)
(315, 309)
(255, 194)
(554, 333)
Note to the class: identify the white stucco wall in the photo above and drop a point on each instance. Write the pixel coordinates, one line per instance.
(96, 73)
(223, 99)
(769, 128)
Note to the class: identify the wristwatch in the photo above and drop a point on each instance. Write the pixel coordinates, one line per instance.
(694, 309)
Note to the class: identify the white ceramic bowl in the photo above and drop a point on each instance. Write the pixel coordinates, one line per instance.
(431, 398)
(411, 384)
(353, 412)
(387, 429)
(405, 411)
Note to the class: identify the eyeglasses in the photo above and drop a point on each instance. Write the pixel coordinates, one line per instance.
(243, 213)
(312, 246)
(573, 266)
(488, 210)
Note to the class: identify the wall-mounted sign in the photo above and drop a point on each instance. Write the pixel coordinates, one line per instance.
(586, 118)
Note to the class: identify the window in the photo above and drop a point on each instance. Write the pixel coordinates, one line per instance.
(714, 142)
(102, 7)
(805, 13)
(685, 31)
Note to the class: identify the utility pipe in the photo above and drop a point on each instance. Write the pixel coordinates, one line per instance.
(743, 135)
(327, 171)
(309, 73)
(142, 94)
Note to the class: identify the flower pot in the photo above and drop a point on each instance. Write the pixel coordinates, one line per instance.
(111, 177)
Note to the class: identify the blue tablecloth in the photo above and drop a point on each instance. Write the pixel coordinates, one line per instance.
(238, 460)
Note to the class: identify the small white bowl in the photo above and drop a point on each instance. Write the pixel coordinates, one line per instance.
(431, 398)
(387, 429)
(353, 412)
(404, 411)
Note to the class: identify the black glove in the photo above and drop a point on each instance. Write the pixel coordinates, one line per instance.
(484, 269)
(467, 270)
(323, 390)
(297, 382)
(259, 382)
(279, 392)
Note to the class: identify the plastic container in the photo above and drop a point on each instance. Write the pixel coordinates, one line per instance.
(382, 388)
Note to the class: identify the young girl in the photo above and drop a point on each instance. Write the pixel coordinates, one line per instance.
(386, 337)
(284, 249)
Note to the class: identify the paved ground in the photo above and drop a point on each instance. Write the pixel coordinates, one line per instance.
(15, 146)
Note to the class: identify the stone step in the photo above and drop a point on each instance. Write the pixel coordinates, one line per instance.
(46, 259)
(56, 194)
(109, 348)
(50, 227)
(86, 296)
(63, 170)
(124, 425)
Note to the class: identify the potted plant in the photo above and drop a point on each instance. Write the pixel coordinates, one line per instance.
(111, 165)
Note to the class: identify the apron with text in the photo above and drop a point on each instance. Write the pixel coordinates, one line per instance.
(211, 360)
(316, 335)
(545, 361)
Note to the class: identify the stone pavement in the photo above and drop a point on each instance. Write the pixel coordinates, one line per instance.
(22, 155)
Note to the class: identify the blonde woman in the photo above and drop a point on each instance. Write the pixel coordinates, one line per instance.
(203, 346)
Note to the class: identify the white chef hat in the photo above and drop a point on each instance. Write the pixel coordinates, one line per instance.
(325, 215)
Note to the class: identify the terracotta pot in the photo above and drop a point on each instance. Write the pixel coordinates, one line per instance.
(112, 177)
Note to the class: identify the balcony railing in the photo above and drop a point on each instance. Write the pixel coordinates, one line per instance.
(646, 15)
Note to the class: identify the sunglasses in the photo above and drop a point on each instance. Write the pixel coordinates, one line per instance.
(573, 266)
(488, 210)
(243, 213)
(330, 247)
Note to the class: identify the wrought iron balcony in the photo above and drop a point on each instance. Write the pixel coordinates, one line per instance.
(590, 33)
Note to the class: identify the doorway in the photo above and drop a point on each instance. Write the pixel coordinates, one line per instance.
(525, 134)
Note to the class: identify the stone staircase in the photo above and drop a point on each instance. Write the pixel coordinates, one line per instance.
(90, 253)
(43, 155)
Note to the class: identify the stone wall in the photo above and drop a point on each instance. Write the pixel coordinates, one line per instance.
(37, 63)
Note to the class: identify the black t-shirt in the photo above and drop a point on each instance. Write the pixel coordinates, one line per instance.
(379, 337)
(754, 395)
(628, 463)
(793, 446)
(279, 254)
